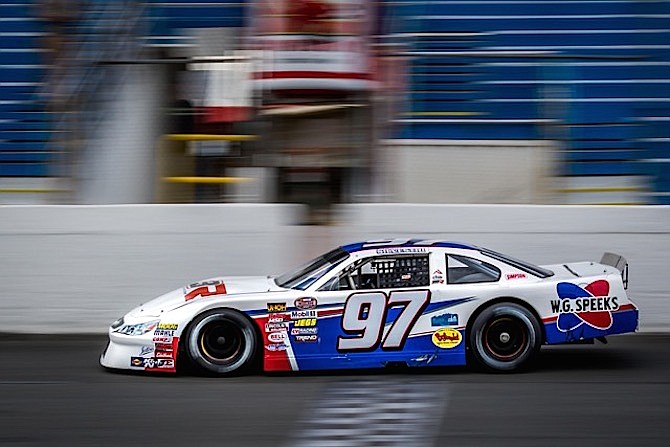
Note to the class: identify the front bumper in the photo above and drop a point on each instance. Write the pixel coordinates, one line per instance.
(141, 353)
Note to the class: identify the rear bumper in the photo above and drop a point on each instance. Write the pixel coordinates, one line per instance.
(624, 320)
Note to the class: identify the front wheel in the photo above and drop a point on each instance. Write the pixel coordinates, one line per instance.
(222, 342)
(505, 337)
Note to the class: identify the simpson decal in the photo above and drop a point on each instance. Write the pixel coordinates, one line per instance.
(515, 276)
(447, 338)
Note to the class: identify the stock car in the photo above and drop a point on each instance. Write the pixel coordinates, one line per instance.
(375, 304)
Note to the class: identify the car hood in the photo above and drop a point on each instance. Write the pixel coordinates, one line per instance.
(219, 287)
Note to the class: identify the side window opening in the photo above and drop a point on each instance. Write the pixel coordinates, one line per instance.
(405, 271)
(386, 272)
(466, 270)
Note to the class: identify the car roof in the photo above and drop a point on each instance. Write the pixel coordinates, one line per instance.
(367, 245)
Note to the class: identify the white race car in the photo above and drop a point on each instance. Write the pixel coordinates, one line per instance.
(375, 304)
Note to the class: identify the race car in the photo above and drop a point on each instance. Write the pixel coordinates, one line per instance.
(374, 304)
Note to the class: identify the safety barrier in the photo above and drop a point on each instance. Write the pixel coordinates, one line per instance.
(77, 268)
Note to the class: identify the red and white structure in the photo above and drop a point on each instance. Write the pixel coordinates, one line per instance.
(312, 45)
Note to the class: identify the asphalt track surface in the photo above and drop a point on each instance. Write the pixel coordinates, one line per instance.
(53, 393)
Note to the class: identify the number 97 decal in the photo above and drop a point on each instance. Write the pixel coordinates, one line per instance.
(364, 317)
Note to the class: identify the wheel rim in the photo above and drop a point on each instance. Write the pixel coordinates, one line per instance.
(221, 342)
(505, 338)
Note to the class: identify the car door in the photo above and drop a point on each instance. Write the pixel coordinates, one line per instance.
(367, 312)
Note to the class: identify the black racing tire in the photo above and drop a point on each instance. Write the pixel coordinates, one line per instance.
(222, 342)
(505, 337)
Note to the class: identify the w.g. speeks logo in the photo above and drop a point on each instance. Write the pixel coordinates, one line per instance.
(590, 305)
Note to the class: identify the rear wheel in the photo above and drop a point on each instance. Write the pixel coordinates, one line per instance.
(222, 342)
(505, 337)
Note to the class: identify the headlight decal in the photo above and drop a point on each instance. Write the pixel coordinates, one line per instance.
(137, 329)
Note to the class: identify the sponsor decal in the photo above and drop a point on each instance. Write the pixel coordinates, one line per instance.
(163, 333)
(146, 350)
(447, 338)
(164, 363)
(438, 277)
(168, 326)
(276, 307)
(305, 322)
(306, 338)
(279, 318)
(589, 305)
(276, 327)
(165, 350)
(162, 339)
(444, 320)
(152, 362)
(137, 362)
(164, 354)
(276, 347)
(305, 303)
(300, 314)
(277, 337)
(304, 330)
(164, 347)
(515, 276)
(204, 289)
(136, 329)
(211, 282)
(400, 250)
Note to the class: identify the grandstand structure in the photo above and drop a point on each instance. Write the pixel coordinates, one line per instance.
(591, 75)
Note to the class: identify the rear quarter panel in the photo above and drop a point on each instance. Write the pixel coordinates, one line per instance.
(582, 308)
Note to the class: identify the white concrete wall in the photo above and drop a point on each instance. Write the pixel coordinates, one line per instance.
(77, 268)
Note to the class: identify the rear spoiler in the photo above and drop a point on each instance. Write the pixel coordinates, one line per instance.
(618, 262)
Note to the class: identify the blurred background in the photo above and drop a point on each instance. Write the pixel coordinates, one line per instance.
(321, 102)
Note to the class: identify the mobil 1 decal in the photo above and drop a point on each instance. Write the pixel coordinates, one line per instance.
(366, 315)
(590, 304)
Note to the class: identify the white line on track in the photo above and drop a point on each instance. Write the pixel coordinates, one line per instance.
(380, 412)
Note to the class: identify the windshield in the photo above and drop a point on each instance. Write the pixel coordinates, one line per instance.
(305, 275)
(521, 265)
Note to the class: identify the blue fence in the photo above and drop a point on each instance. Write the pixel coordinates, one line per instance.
(594, 72)
(25, 127)
(598, 71)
